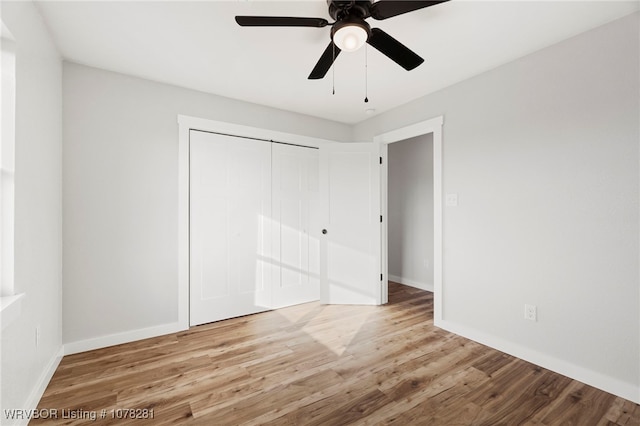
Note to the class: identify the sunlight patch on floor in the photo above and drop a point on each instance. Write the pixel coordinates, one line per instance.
(337, 338)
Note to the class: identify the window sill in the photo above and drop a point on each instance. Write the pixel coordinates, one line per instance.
(10, 308)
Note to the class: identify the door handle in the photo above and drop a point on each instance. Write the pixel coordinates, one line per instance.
(324, 231)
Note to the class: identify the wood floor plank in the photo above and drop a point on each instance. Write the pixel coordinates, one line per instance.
(429, 411)
(623, 412)
(316, 364)
(580, 405)
(533, 396)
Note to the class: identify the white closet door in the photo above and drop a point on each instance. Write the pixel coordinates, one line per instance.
(350, 196)
(230, 207)
(295, 227)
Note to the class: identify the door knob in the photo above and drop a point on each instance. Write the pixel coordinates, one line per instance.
(324, 231)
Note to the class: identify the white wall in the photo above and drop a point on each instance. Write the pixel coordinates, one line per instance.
(543, 153)
(38, 210)
(121, 196)
(410, 209)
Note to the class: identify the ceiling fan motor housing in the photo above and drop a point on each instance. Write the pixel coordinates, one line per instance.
(342, 9)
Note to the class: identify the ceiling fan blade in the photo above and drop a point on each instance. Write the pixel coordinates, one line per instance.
(384, 9)
(280, 21)
(396, 51)
(325, 62)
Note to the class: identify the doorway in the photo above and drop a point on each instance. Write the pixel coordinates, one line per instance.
(434, 128)
(410, 212)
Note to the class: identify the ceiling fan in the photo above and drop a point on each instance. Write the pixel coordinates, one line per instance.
(350, 31)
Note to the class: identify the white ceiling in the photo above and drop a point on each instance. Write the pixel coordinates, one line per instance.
(198, 45)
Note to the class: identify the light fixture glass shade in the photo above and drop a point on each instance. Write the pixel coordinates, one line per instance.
(350, 38)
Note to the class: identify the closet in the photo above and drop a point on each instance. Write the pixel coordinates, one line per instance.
(254, 222)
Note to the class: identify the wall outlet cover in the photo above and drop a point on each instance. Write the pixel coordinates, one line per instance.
(531, 312)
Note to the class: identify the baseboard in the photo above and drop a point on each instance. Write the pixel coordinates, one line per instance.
(592, 378)
(41, 386)
(120, 338)
(411, 283)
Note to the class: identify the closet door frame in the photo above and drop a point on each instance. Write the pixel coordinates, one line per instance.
(185, 125)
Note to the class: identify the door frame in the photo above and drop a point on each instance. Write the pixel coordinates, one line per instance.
(185, 125)
(434, 126)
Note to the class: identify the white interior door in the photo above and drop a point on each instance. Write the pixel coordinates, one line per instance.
(230, 241)
(295, 225)
(351, 246)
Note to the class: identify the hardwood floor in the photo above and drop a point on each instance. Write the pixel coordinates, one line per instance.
(314, 364)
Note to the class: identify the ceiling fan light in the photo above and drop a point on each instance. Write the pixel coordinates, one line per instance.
(350, 38)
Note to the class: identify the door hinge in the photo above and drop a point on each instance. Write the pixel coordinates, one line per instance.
(380, 277)
(380, 218)
(380, 160)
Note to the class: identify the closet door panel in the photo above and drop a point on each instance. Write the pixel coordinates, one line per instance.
(295, 244)
(230, 206)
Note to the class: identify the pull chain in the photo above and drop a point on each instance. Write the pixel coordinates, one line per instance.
(333, 68)
(366, 76)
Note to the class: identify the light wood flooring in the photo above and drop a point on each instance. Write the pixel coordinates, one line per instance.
(314, 364)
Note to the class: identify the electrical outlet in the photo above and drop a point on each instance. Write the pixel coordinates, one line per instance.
(37, 335)
(531, 312)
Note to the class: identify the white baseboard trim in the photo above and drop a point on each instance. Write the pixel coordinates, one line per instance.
(119, 338)
(41, 386)
(411, 283)
(598, 380)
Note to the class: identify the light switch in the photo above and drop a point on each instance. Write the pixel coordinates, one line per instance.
(452, 200)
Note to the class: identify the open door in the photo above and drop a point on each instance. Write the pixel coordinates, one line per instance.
(350, 271)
